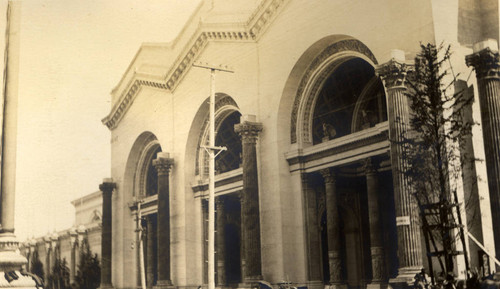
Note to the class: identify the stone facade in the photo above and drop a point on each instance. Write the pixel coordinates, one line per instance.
(66, 243)
(310, 189)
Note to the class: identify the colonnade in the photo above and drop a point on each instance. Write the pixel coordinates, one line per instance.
(393, 75)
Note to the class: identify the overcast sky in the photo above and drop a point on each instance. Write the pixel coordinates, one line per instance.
(72, 55)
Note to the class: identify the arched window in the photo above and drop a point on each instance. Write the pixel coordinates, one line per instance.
(152, 175)
(351, 99)
(230, 159)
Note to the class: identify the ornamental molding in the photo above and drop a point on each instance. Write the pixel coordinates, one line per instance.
(394, 73)
(312, 80)
(251, 31)
(486, 63)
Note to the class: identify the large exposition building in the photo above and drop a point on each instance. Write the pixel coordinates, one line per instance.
(310, 188)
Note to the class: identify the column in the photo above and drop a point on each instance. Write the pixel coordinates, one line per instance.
(248, 129)
(106, 188)
(393, 74)
(312, 230)
(163, 164)
(221, 246)
(47, 264)
(376, 241)
(73, 235)
(485, 61)
(81, 235)
(333, 228)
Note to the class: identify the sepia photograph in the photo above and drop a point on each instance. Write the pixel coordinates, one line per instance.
(250, 144)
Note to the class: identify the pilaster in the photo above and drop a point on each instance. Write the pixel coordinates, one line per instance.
(313, 241)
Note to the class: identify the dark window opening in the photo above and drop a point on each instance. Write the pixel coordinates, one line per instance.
(231, 158)
(337, 103)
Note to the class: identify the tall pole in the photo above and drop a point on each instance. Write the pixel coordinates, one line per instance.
(10, 259)
(211, 187)
(211, 175)
(141, 248)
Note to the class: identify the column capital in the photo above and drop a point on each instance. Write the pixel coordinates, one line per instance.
(219, 202)
(107, 186)
(394, 73)
(73, 237)
(248, 128)
(163, 163)
(369, 166)
(486, 63)
(329, 175)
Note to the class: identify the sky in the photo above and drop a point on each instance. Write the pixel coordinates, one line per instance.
(72, 54)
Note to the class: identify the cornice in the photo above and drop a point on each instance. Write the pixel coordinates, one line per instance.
(250, 31)
(351, 148)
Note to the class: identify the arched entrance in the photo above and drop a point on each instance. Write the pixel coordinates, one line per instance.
(340, 131)
(227, 192)
(143, 177)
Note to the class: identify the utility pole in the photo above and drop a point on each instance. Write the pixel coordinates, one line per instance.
(212, 149)
(139, 230)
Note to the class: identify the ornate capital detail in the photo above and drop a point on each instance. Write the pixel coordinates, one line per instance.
(378, 267)
(335, 263)
(369, 167)
(254, 27)
(163, 165)
(486, 63)
(107, 187)
(249, 131)
(394, 73)
(328, 175)
(220, 203)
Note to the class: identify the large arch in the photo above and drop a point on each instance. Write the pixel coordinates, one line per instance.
(227, 113)
(313, 97)
(139, 182)
(312, 80)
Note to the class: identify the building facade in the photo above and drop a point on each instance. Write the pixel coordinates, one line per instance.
(66, 244)
(310, 188)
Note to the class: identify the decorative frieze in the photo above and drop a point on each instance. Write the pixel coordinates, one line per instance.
(251, 31)
(486, 63)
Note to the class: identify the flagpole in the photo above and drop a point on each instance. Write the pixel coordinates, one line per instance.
(211, 174)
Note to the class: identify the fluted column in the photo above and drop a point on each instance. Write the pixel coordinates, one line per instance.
(221, 246)
(376, 242)
(250, 215)
(486, 62)
(106, 188)
(163, 163)
(333, 228)
(312, 230)
(393, 74)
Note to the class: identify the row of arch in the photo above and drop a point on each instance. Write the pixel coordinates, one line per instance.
(337, 94)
